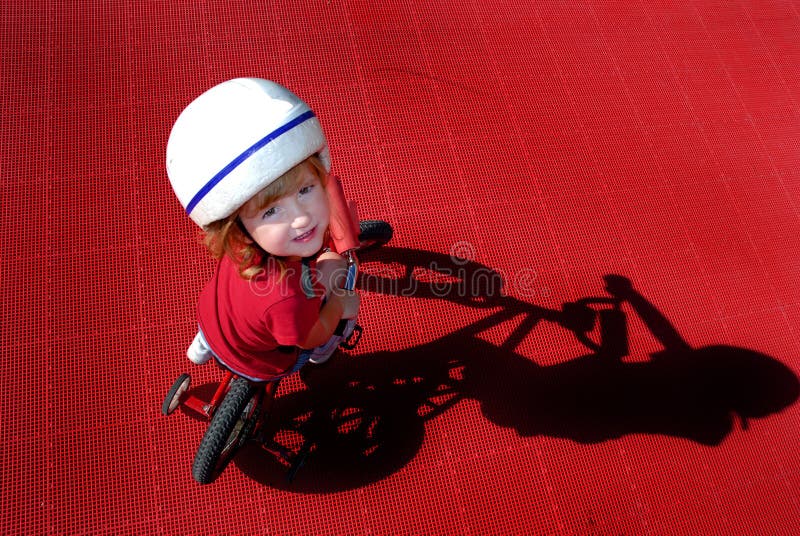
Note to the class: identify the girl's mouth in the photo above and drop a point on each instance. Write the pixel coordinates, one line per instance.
(305, 237)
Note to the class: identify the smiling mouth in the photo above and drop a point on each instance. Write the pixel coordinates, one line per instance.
(305, 236)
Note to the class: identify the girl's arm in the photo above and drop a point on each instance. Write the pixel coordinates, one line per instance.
(340, 304)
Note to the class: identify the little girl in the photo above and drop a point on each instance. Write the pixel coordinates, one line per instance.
(249, 162)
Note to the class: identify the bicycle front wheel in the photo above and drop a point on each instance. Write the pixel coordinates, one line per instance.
(373, 234)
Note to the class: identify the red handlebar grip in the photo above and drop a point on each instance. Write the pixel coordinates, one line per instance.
(341, 226)
(351, 204)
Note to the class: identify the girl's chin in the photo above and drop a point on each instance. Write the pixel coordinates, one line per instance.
(304, 250)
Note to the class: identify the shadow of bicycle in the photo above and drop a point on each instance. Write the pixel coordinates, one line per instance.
(365, 416)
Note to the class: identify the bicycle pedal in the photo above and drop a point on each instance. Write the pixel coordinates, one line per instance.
(353, 339)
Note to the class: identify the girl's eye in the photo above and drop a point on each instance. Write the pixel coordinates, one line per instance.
(305, 189)
(269, 212)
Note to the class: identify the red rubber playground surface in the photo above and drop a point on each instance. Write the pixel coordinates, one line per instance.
(538, 161)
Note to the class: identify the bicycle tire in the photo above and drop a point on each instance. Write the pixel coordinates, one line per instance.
(175, 394)
(373, 234)
(228, 430)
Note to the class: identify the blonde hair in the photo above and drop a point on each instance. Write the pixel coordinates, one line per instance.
(228, 235)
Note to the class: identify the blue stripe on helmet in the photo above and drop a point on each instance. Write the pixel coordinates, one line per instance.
(244, 156)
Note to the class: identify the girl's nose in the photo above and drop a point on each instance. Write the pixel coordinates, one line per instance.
(301, 217)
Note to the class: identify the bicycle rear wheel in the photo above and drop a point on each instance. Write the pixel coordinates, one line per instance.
(175, 394)
(229, 429)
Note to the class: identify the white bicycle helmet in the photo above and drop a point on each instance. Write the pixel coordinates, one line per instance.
(235, 139)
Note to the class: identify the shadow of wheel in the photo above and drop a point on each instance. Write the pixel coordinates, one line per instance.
(359, 441)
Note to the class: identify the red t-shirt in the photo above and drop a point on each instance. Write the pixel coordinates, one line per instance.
(255, 326)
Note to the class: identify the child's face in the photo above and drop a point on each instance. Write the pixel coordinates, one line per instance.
(293, 226)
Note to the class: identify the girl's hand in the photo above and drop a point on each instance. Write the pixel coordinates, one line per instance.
(332, 270)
